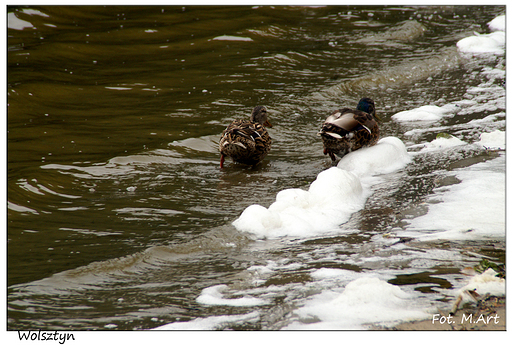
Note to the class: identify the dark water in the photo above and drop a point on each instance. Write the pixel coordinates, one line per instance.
(118, 214)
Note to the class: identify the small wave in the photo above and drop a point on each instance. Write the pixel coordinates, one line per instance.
(271, 31)
(402, 74)
(92, 232)
(407, 31)
(22, 209)
(210, 323)
(121, 165)
(150, 214)
(98, 274)
(412, 71)
(206, 143)
(40, 189)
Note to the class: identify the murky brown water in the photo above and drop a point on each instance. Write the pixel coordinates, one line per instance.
(118, 213)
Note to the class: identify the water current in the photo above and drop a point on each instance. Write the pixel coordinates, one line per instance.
(119, 217)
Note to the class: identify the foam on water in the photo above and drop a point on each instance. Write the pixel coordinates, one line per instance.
(493, 42)
(498, 24)
(441, 143)
(332, 198)
(486, 283)
(472, 207)
(494, 140)
(488, 96)
(213, 295)
(469, 210)
(366, 300)
(424, 113)
(487, 43)
(387, 156)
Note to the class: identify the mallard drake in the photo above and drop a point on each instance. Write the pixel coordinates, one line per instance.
(347, 130)
(246, 141)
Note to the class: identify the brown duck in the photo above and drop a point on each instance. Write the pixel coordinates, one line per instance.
(246, 141)
(347, 130)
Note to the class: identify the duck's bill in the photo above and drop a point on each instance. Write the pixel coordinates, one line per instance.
(268, 124)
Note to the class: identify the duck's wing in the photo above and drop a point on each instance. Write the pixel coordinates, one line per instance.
(366, 120)
(247, 129)
(346, 120)
(342, 118)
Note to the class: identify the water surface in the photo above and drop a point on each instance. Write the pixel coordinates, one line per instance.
(118, 214)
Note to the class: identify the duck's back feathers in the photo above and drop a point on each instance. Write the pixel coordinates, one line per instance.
(245, 142)
(347, 130)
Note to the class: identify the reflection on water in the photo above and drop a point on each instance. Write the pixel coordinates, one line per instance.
(118, 213)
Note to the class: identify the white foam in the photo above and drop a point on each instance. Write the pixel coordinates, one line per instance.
(424, 113)
(213, 295)
(332, 198)
(486, 282)
(492, 43)
(498, 24)
(493, 73)
(488, 43)
(441, 143)
(469, 210)
(331, 273)
(387, 156)
(367, 300)
(493, 140)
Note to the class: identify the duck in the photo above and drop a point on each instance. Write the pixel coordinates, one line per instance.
(246, 141)
(347, 130)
